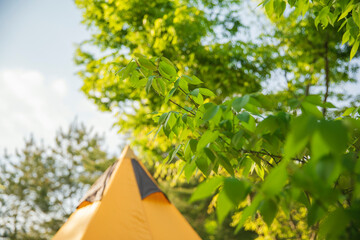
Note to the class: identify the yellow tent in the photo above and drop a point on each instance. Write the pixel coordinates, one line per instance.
(125, 203)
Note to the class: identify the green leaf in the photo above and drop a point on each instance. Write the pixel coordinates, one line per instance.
(206, 92)
(170, 120)
(345, 37)
(319, 147)
(206, 138)
(134, 79)
(311, 109)
(237, 139)
(182, 83)
(315, 213)
(171, 92)
(240, 102)
(279, 7)
(269, 7)
(174, 152)
(125, 72)
(236, 190)
(354, 48)
(335, 134)
(223, 206)
(139, 55)
(167, 61)
(146, 63)
(207, 188)
(349, 7)
(140, 83)
(314, 99)
(209, 153)
(268, 125)
(189, 169)
(210, 113)
(226, 164)
(163, 118)
(348, 111)
(323, 17)
(334, 225)
(192, 80)
(250, 125)
(193, 145)
(275, 181)
(243, 117)
(159, 85)
(203, 164)
(167, 69)
(195, 92)
(301, 130)
(149, 84)
(356, 15)
(268, 210)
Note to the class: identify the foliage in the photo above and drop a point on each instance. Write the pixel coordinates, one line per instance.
(198, 35)
(346, 12)
(41, 185)
(252, 150)
(199, 215)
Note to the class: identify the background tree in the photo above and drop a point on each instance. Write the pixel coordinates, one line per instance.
(326, 13)
(42, 184)
(312, 56)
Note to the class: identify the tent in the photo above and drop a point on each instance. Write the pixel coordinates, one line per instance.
(126, 203)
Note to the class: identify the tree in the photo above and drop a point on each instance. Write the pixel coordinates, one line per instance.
(186, 31)
(312, 58)
(41, 185)
(346, 12)
(266, 156)
(301, 159)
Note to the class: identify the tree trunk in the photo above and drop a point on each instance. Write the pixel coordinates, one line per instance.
(327, 76)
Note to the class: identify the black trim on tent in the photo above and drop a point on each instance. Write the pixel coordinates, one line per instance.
(145, 183)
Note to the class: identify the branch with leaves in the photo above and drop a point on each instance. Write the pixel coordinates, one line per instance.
(248, 145)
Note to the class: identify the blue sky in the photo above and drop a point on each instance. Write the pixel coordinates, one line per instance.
(39, 91)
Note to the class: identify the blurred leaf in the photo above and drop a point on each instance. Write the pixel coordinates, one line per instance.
(206, 138)
(223, 206)
(168, 69)
(206, 92)
(210, 113)
(268, 210)
(244, 116)
(147, 64)
(207, 188)
(240, 102)
(334, 225)
(335, 134)
(275, 181)
(192, 80)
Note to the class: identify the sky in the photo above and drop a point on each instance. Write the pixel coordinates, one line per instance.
(39, 89)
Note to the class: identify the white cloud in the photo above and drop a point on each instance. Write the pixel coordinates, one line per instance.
(60, 87)
(33, 103)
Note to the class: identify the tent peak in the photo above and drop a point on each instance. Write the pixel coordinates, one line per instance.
(127, 153)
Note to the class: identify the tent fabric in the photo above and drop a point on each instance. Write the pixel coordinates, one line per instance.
(145, 184)
(123, 211)
(96, 191)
